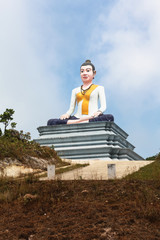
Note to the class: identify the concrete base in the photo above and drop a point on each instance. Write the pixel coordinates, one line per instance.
(98, 169)
(97, 140)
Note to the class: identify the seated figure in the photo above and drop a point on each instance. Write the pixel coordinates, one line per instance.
(86, 97)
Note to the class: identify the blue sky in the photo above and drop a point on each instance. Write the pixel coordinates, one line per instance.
(43, 43)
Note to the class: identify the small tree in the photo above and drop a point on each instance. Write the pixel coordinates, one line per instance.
(13, 125)
(6, 118)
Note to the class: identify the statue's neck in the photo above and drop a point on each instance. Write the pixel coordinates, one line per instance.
(85, 86)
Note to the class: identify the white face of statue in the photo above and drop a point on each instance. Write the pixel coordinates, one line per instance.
(87, 74)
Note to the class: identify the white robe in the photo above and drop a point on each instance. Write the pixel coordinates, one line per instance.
(97, 95)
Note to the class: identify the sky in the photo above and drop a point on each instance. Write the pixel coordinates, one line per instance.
(43, 44)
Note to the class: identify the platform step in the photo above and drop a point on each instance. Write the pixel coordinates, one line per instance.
(88, 141)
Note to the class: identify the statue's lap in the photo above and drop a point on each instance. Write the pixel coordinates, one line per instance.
(100, 118)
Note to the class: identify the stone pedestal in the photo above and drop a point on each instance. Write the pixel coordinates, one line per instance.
(111, 171)
(51, 172)
(95, 140)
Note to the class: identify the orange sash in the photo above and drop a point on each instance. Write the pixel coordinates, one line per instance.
(85, 98)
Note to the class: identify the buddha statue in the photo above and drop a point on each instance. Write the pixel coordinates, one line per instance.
(87, 97)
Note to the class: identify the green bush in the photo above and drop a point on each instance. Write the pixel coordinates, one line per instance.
(16, 145)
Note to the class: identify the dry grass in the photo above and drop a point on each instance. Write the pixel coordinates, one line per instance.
(149, 172)
(129, 207)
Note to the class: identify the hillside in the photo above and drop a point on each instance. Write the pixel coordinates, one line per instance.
(83, 210)
(16, 148)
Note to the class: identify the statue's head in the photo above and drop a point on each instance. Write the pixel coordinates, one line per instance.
(87, 71)
(88, 62)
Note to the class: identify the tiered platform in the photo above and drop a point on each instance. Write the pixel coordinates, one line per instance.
(97, 140)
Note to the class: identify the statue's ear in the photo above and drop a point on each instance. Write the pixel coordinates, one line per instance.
(94, 73)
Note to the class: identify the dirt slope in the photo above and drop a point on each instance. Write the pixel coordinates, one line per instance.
(81, 210)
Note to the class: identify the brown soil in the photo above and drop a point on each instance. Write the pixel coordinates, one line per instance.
(82, 210)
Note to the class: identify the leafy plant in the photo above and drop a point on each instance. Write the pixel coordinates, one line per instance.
(13, 125)
(6, 118)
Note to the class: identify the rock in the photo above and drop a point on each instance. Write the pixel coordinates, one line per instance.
(29, 196)
(85, 191)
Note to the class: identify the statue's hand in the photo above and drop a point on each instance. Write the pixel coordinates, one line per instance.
(96, 114)
(64, 116)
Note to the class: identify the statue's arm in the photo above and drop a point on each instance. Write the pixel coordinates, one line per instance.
(72, 106)
(72, 103)
(102, 98)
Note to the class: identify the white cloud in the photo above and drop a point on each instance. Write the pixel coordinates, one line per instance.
(126, 45)
(39, 45)
(27, 83)
(128, 49)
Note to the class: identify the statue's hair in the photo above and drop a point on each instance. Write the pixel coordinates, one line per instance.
(88, 62)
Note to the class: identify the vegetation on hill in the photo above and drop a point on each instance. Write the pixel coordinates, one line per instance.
(17, 144)
(155, 157)
(6, 119)
(149, 172)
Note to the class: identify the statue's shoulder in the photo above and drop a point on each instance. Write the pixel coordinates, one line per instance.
(77, 89)
(99, 86)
